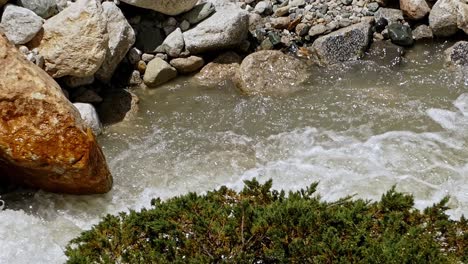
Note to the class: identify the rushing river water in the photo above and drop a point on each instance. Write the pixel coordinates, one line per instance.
(357, 129)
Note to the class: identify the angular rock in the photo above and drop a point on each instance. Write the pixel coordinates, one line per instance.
(90, 117)
(422, 32)
(414, 9)
(345, 44)
(400, 34)
(19, 24)
(199, 13)
(271, 72)
(75, 40)
(223, 68)
(187, 65)
(173, 45)
(43, 8)
(443, 18)
(44, 143)
(227, 28)
(121, 39)
(389, 14)
(158, 72)
(457, 55)
(168, 7)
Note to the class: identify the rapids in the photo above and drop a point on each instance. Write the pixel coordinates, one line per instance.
(357, 129)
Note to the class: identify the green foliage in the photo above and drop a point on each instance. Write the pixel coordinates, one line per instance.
(259, 225)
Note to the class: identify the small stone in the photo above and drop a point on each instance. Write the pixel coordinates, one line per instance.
(422, 32)
(90, 117)
(317, 30)
(184, 25)
(147, 57)
(43, 8)
(389, 14)
(141, 66)
(134, 55)
(302, 29)
(400, 34)
(158, 72)
(280, 22)
(373, 7)
(282, 11)
(135, 78)
(188, 65)
(174, 44)
(264, 8)
(19, 24)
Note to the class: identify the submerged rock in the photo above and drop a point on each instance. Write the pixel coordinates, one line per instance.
(345, 44)
(19, 24)
(271, 72)
(158, 72)
(457, 55)
(121, 39)
(75, 41)
(168, 7)
(385, 53)
(227, 28)
(118, 106)
(44, 143)
(223, 68)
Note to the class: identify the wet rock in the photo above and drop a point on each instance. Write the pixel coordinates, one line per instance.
(44, 143)
(199, 13)
(271, 73)
(121, 39)
(158, 72)
(188, 65)
(43, 8)
(443, 18)
(75, 40)
(457, 55)
(222, 69)
(168, 7)
(173, 45)
(400, 34)
(90, 117)
(422, 32)
(345, 44)
(118, 106)
(385, 53)
(389, 14)
(414, 9)
(227, 28)
(19, 24)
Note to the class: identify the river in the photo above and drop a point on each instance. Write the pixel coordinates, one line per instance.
(356, 129)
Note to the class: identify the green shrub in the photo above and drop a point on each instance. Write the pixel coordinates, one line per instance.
(259, 225)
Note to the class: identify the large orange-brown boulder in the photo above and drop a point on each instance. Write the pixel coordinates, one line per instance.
(44, 143)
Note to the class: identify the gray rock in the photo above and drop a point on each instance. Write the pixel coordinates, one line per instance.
(422, 32)
(147, 57)
(121, 39)
(188, 65)
(373, 7)
(264, 8)
(443, 18)
(184, 25)
(173, 45)
(199, 13)
(158, 72)
(317, 30)
(43, 8)
(168, 7)
(400, 34)
(385, 53)
(271, 72)
(345, 44)
(19, 24)
(90, 117)
(457, 55)
(389, 14)
(227, 28)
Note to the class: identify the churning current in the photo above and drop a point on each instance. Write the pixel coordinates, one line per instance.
(358, 129)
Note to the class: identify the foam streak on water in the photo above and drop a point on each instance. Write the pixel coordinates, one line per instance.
(357, 129)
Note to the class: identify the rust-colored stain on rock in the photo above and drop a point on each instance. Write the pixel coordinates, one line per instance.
(43, 141)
